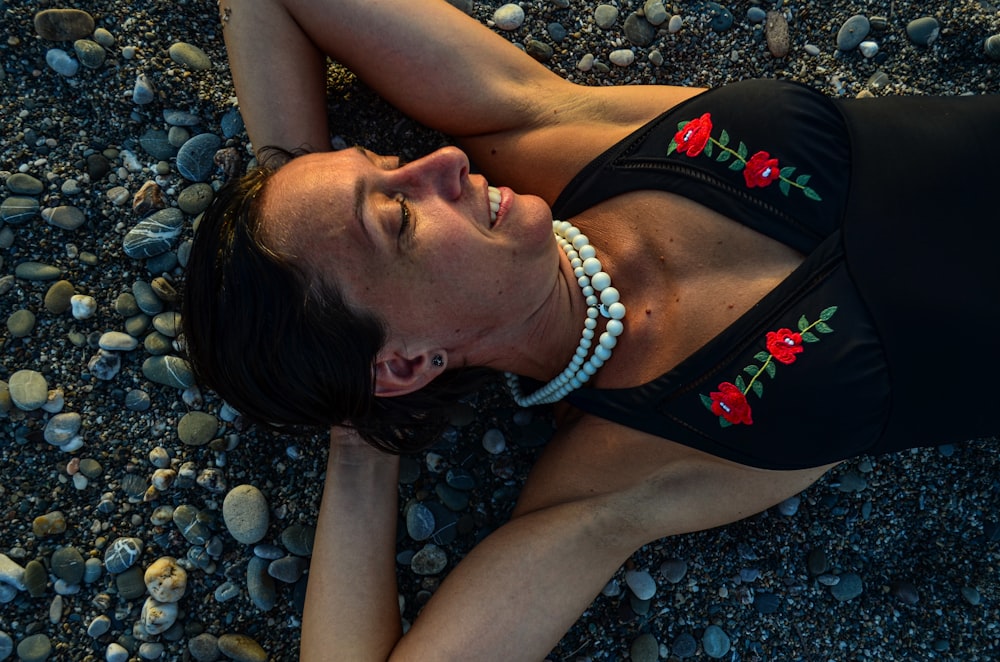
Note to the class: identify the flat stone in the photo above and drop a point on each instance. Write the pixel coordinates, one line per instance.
(90, 53)
(122, 554)
(156, 143)
(923, 31)
(61, 62)
(196, 198)
(655, 12)
(168, 323)
(197, 428)
(508, 17)
(57, 297)
(34, 648)
(638, 30)
(130, 585)
(169, 371)
(644, 648)
(68, 564)
(848, 588)
(28, 389)
(204, 647)
(36, 271)
(116, 341)
(63, 24)
(62, 427)
(50, 524)
(21, 323)
(146, 298)
(189, 56)
(18, 209)
(288, 569)
(196, 157)
(241, 648)
(715, 642)
(298, 539)
(419, 522)
(430, 560)
(21, 183)
(622, 57)
(641, 584)
(104, 364)
(605, 16)
(853, 32)
(155, 234)
(260, 585)
(66, 217)
(143, 92)
(246, 514)
(720, 18)
(188, 522)
(991, 46)
(776, 34)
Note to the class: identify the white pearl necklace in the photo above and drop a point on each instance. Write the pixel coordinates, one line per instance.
(602, 299)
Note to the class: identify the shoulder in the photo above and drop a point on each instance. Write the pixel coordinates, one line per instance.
(573, 126)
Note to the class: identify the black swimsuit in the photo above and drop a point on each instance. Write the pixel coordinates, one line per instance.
(884, 338)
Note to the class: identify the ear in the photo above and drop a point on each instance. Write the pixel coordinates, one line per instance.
(399, 375)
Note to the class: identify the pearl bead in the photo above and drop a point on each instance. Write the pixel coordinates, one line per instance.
(616, 311)
(600, 280)
(614, 327)
(580, 240)
(609, 295)
(587, 251)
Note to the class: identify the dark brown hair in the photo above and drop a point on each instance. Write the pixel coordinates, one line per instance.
(283, 346)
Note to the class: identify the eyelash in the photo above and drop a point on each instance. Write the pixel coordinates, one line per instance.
(405, 215)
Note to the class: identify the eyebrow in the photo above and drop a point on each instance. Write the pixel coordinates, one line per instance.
(359, 207)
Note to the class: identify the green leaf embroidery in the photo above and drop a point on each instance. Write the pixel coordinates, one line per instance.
(707, 401)
(724, 138)
(740, 384)
(811, 194)
(724, 156)
(742, 151)
(784, 186)
(751, 370)
(770, 369)
(823, 327)
(802, 180)
(787, 171)
(828, 313)
(758, 388)
(808, 337)
(708, 148)
(723, 423)
(672, 148)
(681, 125)
(762, 356)
(803, 323)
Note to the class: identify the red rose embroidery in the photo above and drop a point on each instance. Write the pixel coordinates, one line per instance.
(730, 403)
(695, 134)
(761, 170)
(784, 345)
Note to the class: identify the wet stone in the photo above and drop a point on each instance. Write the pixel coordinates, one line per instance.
(18, 209)
(90, 53)
(260, 585)
(154, 235)
(923, 31)
(21, 323)
(36, 579)
(57, 297)
(63, 24)
(852, 32)
(22, 183)
(196, 157)
(245, 513)
(197, 428)
(156, 143)
(638, 30)
(298, 539)
(241, 648)
(130, 585)
(121, 554)
(28, 389)
(195, 198)
(146, 299)
(34, 648)
(168, 370)
(189, 56)
(68, 564)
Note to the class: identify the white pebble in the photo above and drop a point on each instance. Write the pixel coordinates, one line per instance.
(61, 62)
(84, 306)
(586, 63)
(868, 48)
(115, 652)
(675, 24)
(509, 17)
(80, 481)
(56, 609)
(494, 442)
(812, 49)
(622, 57)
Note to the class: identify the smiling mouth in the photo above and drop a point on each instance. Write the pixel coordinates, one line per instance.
(494, 194)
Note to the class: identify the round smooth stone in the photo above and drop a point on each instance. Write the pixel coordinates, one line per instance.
(232, 123)
(508, 17)
(430, 560)
(868, 49)
(82, 306)
(848, 588)
(246, 514)
(196, 157)
(715, 642)
(28, 389)
(68, 564)
(104, 365)
(419, 522)
(538, 50)
(298, 539)
(103, 37)
(991, 46)
(204, 647)
(638, 30)
(125, 305)
(923, 31)
(655, 12)
(621, 57)
(130, 585)
(99, 626)
(117, 341)
(196, 198)
(605, 16)
(720, 18)
(644, 648)
(21, 323)
(189, 56)
(62, 427)
(197, 428)
(756, 15)
(121, 554)
(143, 92)
(175, 117)
(92, 570)
(137, 400)
(90, 53)
(11, 573)
(146, 298)
(169, 371)
(157, 616)
(63, 24)
(776, 34)
(34, 648)
(241, 648)
(641, 583)
(36, 578)
(288, 569)
(157, 344)
(168, 323)
(17, 210)
(853, 32)
(225, 591)
(260, 585)
(49, 524)
(115, 652)
(190, 525)
(675, 24)
(165, 580)
(21, 183)
(61, 62)
(155, 234)
(57, 298)
(36, 271)
(156, 143)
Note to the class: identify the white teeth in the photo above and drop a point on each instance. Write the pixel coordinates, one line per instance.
(494, 202)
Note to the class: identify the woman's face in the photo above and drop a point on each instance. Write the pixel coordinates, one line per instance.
(417, 244)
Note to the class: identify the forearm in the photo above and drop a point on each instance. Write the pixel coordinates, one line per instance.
(352, 609)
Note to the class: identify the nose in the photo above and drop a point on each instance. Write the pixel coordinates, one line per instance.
(443, 171)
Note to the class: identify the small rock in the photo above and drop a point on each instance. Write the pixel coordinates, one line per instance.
(538, 50)
(298, 539)
(21, 183)
(246, 514)
(21, 323)
(90, 53)
(430, 560)
(260, 585)
(36, 271)
(848, 588)
(684, 645)
(68, 564)
(62, 427)
(906, 591)
(168, 370)
(776, 34)
(122, 554)
(61, 62)
(143, 92)
(57, 298)
(157, 616)
(655, 12)
(508, 17)
(63, 24)
(241, 648)
(715, 642)
(165, 580)
(605, 16)
(638, 30)
(204, 647)
(189, 56)
(28, 389)
(11, 573)
(853, 32)
(971, 595)
(116, 341)
(82, 306)
(196, 198)
(197, 428)
(644, 648)
(49, 524)
(991, 46)
(641, 584)
(105, 365)
(720, 18)
(923, 31)
(419, 522)
(154, 235)
(868, 49)
(674, 570)
(196, 157)
(622, 57)
(675, 24)
(34, 648)
(756, 15)
(287, 569)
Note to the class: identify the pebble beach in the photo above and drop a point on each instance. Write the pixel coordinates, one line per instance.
(142, 518)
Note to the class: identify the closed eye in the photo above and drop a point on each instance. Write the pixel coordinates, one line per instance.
(404, 218)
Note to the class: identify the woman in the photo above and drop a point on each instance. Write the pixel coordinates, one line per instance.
(785, 271)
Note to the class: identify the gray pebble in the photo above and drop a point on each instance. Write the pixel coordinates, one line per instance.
(852, 482)
(117, 341)
(991, 46)
(226, 591)
(137, 324)
(675, 24)
(971, 595)
(156, 143)
(121, 554)
(241, 648)
(684, 645)
(6, 645)
(66, 217)
(146, 298)
(298, 539)
(11, 573)
(817, 562)
(557, 32)
(430, 560)
(204, 647)
(853, 32)
(35, 578)
(90, 53)
(155, 234)
(158, 344)
(260, 585)
(776, 34)
(605, 16)
(137, 400)
(125, 304)
(18, 209)
(22, 183)
(196, 157)
(104, 365)
(168, 323)
(641, 584)
(508, 17)
(143, 92)
(848, 588)
(655, 12)
(756, 15)
(905, 590)
(288, 569)
(644, 648)
(99, 626)
(715, 642)
(638, 30)
(923, 31)
(63, 24)
(245, 512)
(34, 648)
(720, 18)
(62, 427)
(622, 57)
(92, 570)
(195, 199)
(61, 62)
(28, 389)
(811, 49)
(67, 564)
(673, 570)
(232, 123)
(189, 56)
(104, 38)
(197, 428)
(655, 58)
(21, 323)
(790, 506)
(419, 522)
(538, 50)
(194, 530)
(175, 117)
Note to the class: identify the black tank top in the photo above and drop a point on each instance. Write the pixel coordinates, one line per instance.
(856, 350)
